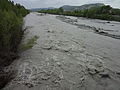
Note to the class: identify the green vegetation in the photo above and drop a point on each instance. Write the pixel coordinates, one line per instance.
(101, 12)
(29, 44)
(11, 21)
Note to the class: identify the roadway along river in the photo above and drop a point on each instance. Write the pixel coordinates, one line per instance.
(70, 54)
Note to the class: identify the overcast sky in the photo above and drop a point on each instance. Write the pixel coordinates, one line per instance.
(57, 3)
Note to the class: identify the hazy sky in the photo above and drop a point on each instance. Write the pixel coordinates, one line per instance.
(57, 3)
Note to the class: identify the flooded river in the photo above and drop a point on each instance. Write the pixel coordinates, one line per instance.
(70, 54)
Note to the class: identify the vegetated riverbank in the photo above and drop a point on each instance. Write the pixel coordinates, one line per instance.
(101, 12)
(11, 31)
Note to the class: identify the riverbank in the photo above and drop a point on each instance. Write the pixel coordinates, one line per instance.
(104, 12)
(11, 32)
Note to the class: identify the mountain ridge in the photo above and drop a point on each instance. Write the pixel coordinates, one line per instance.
(82, 7)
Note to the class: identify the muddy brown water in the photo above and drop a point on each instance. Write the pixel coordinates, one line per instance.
(68, 57)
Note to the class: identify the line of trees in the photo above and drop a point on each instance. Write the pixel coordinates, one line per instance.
(11, 21)
(103, 12)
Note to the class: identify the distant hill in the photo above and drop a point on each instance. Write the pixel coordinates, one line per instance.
(83, 7)
(38, 9)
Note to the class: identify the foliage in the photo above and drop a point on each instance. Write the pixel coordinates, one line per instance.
(11, 20)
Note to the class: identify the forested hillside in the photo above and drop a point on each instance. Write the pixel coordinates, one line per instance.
(11, 21)
(102, 12)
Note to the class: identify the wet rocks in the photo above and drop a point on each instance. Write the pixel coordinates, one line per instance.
(104, 74)
(28, 71)
(118, 73)
(107, 34)
(92, 70)
(59, 64)
(108, 21)
(29, 85)
(47, 48)
(50, 31)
